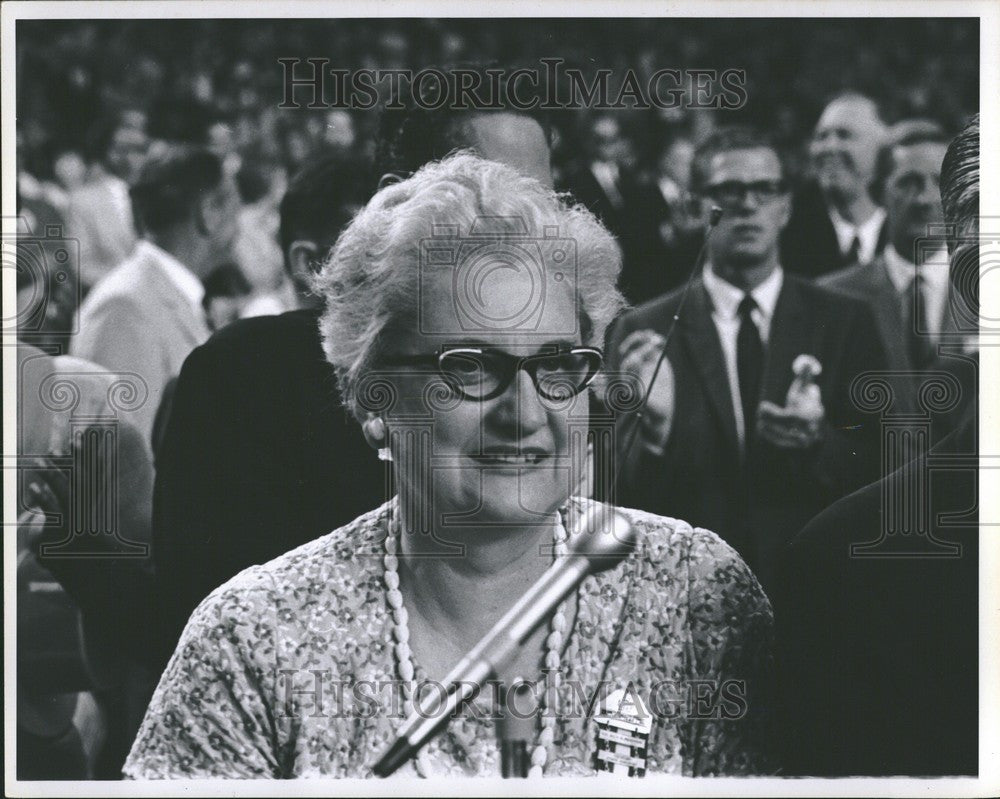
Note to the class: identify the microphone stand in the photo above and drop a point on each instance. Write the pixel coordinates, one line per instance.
(598, 541)
(714, 216)
(516, 729)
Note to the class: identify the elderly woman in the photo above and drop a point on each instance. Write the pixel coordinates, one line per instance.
(463, 309)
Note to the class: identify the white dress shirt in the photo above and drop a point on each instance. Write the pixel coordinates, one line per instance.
(726, 300)
(867, 233)
(186, 281)
(934, 288)
(607, 176)
(118, 189)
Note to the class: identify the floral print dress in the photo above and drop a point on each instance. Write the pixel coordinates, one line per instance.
(288, 670)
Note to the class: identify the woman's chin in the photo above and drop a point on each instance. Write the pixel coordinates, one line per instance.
(520, 508)
(499, 503)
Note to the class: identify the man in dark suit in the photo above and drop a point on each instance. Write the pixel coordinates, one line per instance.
(907, 287)
(259, 456)
(729, 440)
(836, 222)
(879, 654)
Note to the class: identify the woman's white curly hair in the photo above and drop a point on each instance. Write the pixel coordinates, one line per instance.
(370, 279)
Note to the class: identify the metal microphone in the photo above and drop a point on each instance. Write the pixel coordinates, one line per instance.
(600, 539)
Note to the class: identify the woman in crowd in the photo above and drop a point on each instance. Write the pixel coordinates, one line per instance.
(464, 308)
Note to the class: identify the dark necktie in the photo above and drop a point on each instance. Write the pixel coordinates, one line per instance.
(854, 254)
(749, 365)
(918, 333)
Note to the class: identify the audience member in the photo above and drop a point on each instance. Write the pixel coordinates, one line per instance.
(145, 317)
(226, 292)
(60, 726)
(412, 136)
(879, 648)
(308, 229)
(835, 221)
(99, 211)
(907, 286)
(256, 247)
(84, 574)
(681, 233)
(629, 208)
(736, 436)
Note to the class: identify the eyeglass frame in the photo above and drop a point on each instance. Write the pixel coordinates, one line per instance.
(779, 187)
(510, 374)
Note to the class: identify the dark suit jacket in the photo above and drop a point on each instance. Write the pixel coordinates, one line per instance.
(258, 457)
(648, 267)
(878, 656)
(873, 285)
(758, 507)
(809, 242)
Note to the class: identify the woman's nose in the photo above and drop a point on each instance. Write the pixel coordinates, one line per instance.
(522, 408)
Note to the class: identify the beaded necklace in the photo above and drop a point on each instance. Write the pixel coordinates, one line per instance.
(404, 655)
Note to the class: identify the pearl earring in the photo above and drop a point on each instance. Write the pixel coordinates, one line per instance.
(376, 429)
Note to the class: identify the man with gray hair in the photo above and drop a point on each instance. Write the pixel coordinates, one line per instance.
(907, 287)
(837, 222)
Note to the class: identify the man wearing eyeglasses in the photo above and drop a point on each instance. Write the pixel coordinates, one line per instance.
(732, 438)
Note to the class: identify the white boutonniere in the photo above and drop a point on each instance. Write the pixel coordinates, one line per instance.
(803, 393)
(806, 366)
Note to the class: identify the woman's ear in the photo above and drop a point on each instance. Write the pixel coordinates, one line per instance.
(374, 431)
(377, 436)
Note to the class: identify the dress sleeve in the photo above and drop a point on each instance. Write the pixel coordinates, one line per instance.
(730, 670)
(213, 714)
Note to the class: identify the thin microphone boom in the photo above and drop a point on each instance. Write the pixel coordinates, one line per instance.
(596, 544)
(715, 214)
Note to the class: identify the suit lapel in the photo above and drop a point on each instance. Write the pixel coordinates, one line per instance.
(949, 323)
(789, 337)
(701, 340)
(885, 303)
(883, 239)
(827, 234)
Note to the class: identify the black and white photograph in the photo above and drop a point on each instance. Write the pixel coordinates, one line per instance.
(495, 399)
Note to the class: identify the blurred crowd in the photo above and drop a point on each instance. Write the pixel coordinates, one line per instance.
(155, 156)
(94, 97)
